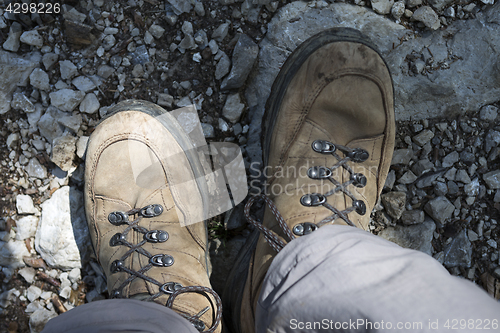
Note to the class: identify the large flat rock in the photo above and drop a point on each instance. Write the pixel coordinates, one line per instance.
(465, 58)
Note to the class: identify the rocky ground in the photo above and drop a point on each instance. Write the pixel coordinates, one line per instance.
(60, 71)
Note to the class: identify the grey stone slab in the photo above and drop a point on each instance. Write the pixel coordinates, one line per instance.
(417, 237)
(466, 81)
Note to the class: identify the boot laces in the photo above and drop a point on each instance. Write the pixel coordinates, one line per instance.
(173, 289)
(356, 155)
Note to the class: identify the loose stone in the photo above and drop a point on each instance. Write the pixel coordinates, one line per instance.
(394, 203)
(440, 209)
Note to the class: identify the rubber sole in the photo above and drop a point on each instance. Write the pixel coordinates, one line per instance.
(233, 292)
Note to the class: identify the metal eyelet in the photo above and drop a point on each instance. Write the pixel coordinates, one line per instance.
(118, 218)
(117, 239)
(314, 199)
(358, 155)
(170, 287)
(359, 206)
(319, 172)
(116, 266)
(162, 260)
(305, 228)
(359, 180)
(323, 146)
(156, 236)
(116, 294)
(151, 211)
(199, 325)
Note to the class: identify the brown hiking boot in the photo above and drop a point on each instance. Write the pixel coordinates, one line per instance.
(329, 138)
(134, 214)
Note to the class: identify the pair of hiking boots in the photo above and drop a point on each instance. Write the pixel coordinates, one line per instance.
(329, 122)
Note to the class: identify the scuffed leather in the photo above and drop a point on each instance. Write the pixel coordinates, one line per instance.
(342, 93)
(110, 186)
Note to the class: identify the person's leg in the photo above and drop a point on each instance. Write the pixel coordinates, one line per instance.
(124, 315)
(347, 280)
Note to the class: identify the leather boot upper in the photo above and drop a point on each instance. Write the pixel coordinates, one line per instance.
(118, 150)
(342, 94)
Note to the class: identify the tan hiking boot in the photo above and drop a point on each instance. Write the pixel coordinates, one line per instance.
(133, 213)
(329, 139)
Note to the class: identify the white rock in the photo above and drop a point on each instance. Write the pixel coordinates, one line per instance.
(40, 79)
(63, 151)
(46, 295)
(81, 146)
(108, 42)
(24, 204)
(100, 51)
(49, 59)
(197, 57)
(26, 227)
(187, 28)
(39, 318)
(428, 17)
(223, 126)
(214, 48)
(33, 306)
(12, 140)
(156, 31)
(33, 293)
(67, 69)
(233, 108)
(73, 122)
(35, 169)
(208, 130)
(74, 275)
(66, 99)
(382, 6)
(62, 220)
(61, 85)
(48, 125)
(398, 9)
(65, 292)
(111, 31)
(148, 38)
(34, 117)
(83, 83)
(21, 102)
(28, 274)
(32, 38)
(12, 253)
(12, 43)
(90, 103)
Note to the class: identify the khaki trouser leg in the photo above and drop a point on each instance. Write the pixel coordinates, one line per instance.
(119, 315)
(344, 279)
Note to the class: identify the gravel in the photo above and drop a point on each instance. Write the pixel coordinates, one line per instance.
(60, 74)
